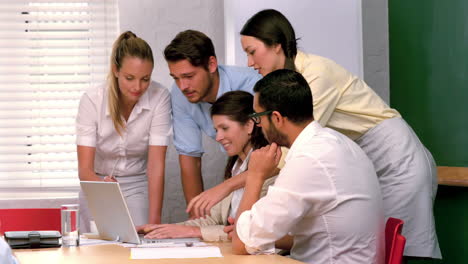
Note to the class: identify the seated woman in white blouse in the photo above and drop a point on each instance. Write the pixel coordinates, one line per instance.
(239, 136)
(123, 128)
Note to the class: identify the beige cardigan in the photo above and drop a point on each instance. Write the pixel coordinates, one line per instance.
(212, 226)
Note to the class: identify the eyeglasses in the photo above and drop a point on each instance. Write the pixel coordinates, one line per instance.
(256, 116)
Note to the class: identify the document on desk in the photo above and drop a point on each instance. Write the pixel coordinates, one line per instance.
(175, 252)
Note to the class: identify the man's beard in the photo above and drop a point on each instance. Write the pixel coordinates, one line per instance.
(274, 135)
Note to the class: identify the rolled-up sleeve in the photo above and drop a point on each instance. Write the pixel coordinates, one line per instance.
(187, 134)
(161, 123)
(252, 245)
(86, 122)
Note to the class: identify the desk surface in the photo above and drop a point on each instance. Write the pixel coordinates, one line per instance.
(116, 254)
(453, 176)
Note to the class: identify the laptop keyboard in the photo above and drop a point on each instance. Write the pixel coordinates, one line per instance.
(168, 240)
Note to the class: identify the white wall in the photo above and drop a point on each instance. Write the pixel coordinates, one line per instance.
(158, 22)
(375, 46)
(331, 28)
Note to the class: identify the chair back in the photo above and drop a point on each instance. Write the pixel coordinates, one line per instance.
(394, 241)
(30, 219)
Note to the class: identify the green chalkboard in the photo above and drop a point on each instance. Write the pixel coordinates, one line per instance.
(429, 73)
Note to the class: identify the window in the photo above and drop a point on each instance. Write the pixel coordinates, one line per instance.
(50, 52)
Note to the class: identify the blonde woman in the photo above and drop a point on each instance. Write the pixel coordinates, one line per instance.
(123, 127)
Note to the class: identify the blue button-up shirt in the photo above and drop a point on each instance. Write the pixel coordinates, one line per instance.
(190, 119)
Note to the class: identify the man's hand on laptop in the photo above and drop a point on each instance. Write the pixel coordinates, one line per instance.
(168, 231)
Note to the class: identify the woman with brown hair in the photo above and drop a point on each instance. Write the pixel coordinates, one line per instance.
(239, 136)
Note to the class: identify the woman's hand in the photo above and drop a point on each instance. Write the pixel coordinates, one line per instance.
(109, 178)
(201, 204)
(169, 231)
(229, 228)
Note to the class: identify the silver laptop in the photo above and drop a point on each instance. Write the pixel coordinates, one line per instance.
(110, 212)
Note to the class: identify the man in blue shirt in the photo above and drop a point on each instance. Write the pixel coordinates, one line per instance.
(199, 81)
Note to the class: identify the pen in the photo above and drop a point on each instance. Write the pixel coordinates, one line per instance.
(111, 175)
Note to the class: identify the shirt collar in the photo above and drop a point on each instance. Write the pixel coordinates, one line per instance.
(223, 82)
(143, 102)
(245, 163)
(308, 132)
(224, 85)
(299, 61)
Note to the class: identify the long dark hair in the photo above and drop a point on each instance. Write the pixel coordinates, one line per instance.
(237, 105)
(272, 28)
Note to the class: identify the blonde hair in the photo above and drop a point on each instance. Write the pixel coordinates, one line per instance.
(127, 44)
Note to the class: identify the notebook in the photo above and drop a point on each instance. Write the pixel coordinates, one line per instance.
(110, 212)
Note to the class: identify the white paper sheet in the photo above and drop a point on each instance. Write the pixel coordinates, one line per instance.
(175, 252)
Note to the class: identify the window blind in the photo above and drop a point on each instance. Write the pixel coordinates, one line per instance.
(50, 52)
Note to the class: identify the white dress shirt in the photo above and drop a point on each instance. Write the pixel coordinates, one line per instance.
(6, 257)
(239, 167)
(405, 168)
(327, 196)
(149, 124)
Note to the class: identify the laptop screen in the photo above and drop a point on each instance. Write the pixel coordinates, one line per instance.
(110, 212)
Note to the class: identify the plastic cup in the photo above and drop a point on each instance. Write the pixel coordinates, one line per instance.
(70, 224)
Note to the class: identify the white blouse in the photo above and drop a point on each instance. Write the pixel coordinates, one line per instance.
(238, 168)
(149, 124)
(327, 196)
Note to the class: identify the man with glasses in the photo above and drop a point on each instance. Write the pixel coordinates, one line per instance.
(326, 196)
(256, 116)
